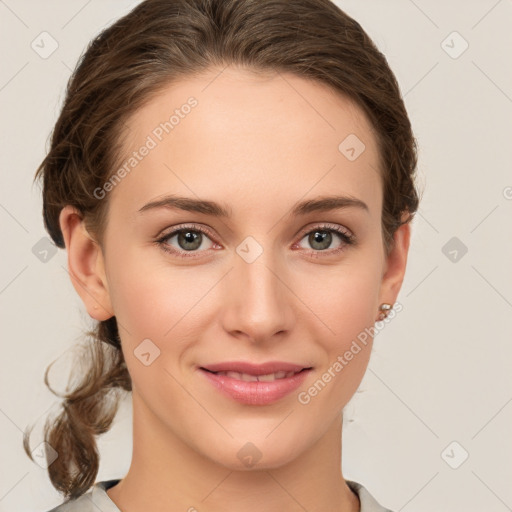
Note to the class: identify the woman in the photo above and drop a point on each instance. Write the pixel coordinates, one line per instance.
(233, 181)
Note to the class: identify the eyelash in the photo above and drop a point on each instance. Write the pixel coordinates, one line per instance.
(346, 237)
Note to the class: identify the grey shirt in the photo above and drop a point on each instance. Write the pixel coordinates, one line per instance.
(96, 499)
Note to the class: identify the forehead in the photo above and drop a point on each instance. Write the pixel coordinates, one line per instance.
(247, 139)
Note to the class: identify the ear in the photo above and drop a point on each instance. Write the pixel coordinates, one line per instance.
(86, 265)
(394, 268)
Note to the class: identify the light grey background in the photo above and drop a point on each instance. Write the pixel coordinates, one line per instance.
(440, 371)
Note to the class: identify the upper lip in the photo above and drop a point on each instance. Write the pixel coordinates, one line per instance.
(255, 369)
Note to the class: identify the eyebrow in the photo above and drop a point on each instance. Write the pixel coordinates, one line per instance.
(319, 204)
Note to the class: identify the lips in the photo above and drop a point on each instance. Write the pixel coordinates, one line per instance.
(255, 369)
(269, 377)
(254, 384)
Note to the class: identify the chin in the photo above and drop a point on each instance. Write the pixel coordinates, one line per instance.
(258, 454)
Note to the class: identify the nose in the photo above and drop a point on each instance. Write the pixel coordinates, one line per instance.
(258, 301)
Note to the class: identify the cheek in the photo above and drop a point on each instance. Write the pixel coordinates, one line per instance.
(150, 297)
(343, 301)
(344, 305)
(346, 339)
(156, 304)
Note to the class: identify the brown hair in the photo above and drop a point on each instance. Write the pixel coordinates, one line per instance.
(155, 44)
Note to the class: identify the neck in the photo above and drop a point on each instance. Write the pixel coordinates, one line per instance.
(168, 475)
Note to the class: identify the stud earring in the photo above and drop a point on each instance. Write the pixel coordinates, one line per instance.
(384, 309)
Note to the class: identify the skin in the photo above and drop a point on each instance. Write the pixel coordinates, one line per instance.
(256, 144)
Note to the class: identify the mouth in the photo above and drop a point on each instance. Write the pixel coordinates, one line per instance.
(248, 377)
(255, 384)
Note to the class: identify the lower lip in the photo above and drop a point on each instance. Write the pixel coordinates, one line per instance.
(256, 393)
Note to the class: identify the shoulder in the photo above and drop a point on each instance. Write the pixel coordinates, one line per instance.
(93, 500)
(368, 502)
(81, 504)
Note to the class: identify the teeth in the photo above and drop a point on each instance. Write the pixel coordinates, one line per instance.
(269, 377)
(254, 378)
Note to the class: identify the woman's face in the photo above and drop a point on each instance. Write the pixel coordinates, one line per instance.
(256, 285)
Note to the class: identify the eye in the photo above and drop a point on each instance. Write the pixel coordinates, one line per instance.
(189, 240)
(321, 238)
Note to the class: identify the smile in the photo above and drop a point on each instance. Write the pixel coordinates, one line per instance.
(253, 387)
(269, 377)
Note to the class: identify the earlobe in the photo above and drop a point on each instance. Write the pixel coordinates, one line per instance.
(85, 265)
